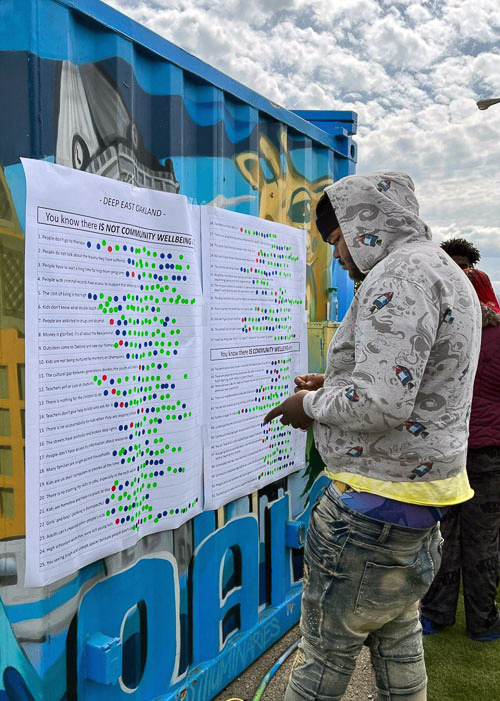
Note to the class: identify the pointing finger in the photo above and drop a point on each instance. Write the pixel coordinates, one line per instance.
(274, 413)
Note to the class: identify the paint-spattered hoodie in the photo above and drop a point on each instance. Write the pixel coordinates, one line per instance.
(398, 386)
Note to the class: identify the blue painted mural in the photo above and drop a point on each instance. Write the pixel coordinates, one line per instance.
(184, 611)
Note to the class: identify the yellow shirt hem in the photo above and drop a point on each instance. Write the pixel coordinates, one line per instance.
(445, 492)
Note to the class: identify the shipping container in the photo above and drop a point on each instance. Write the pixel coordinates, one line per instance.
(83, 86)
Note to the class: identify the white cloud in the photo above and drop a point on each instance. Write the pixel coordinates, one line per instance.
(398, 47)
(418, 13)
(478, 20)
(485, 70)
(411, 69)
(486, 239)
(342, 15)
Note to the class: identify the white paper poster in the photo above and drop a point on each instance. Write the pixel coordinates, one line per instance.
(256, 343)
(113, 339)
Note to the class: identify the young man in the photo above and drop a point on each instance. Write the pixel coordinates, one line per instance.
(390, 420)
(462, 251)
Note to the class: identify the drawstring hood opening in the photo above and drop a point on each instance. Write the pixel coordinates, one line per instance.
(377, 213)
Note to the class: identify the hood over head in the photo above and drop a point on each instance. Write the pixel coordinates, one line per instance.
(377, 213)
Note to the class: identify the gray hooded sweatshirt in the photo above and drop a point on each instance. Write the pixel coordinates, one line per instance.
(398, 385)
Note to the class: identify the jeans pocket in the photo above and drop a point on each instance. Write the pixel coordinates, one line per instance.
(320, 591)
(318, 557)
(386, 588)
(325, 539)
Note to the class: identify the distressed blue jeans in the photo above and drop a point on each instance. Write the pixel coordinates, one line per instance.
(363, 580)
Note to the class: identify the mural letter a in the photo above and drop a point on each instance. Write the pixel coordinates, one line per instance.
(239, 536)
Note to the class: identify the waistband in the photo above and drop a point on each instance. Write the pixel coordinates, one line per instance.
(385, 509)
(379, 530)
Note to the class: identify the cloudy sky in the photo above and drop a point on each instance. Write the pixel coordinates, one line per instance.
(412, 70)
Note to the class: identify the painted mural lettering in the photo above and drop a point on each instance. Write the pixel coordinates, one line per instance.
(97, 116)
(139, 608)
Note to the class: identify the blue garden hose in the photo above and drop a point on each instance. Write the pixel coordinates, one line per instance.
(270, 674)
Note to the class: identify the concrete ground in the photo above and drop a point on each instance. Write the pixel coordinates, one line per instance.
(243, 688)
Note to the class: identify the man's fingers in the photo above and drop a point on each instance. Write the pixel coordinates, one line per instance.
(302, 379)
(277, 411)
(309, 385)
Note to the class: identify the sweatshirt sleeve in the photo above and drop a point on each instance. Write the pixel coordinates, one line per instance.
(395, 329)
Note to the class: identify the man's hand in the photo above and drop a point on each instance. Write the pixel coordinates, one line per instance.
(311, 381)
(291, 412)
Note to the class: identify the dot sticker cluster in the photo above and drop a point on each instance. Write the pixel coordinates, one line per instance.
(266, 319)
(279, 455)
(274, 314)
(258, 234)
(271, 319)
(276, 437)
(276, 388)
(146, 329)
